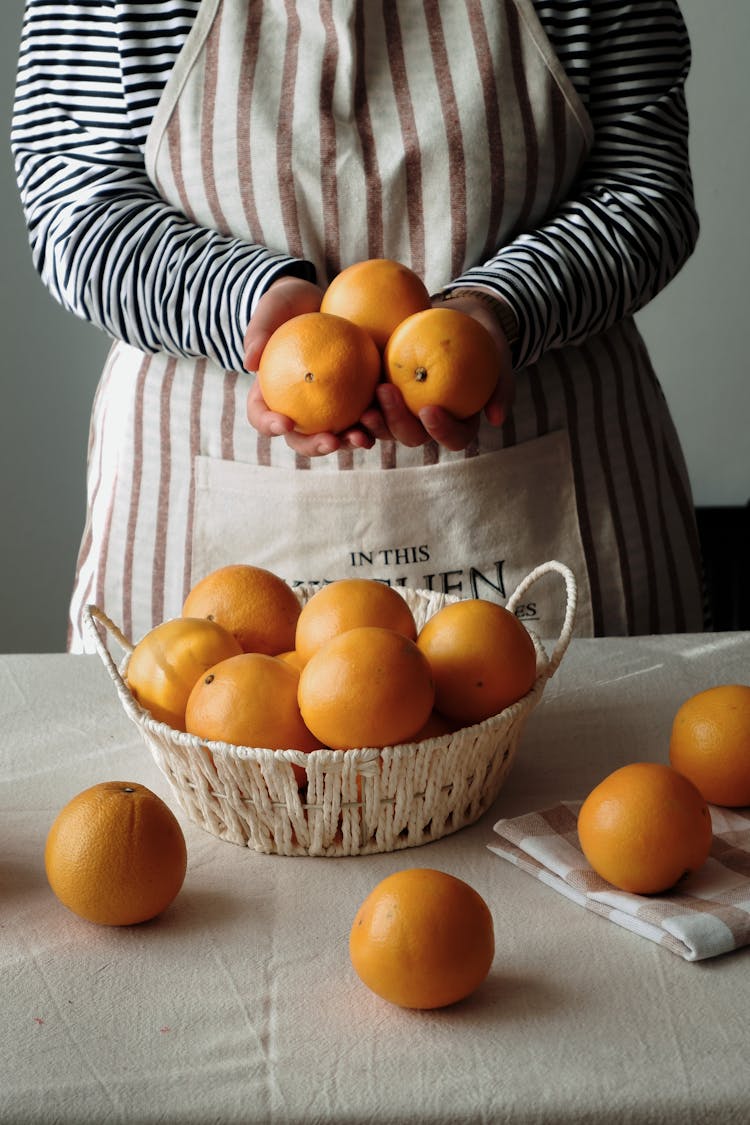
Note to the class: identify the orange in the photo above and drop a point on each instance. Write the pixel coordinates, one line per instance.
(710, 743)
(165, 664)
(368, 686)
(435, 727)
(292, 657)
(644, 827)
(347, 603)
(443, 357)
(377, 295)
(254, 604)
(481, 656)
(115, 854)
(422, 939)
(250, 700)
(319, 370)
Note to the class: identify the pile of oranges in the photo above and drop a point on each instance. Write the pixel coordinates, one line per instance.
(248, 664)
(375, 322)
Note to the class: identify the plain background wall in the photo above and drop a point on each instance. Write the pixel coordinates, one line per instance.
(696, 331)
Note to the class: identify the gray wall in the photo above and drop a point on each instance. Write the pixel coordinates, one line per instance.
(49, 366)
(696, 330)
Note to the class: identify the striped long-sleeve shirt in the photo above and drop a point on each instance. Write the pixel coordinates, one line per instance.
(111, 250)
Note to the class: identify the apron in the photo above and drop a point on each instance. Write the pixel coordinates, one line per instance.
(341, 131)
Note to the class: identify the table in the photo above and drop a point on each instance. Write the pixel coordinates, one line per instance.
(239, 1004)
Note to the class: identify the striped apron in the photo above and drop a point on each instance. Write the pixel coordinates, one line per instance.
(431, 132)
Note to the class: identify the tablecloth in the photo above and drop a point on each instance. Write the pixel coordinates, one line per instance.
(239, 1003)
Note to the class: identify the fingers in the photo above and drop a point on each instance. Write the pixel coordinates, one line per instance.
(321, 445)
(374, 423)
(433, 422)
(400, 424)
(254, 345)
(313, 445)
(448, 431)
(499, 406)
(265, 421)
(389, 420)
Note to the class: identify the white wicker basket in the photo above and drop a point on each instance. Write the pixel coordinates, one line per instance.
(356, 801)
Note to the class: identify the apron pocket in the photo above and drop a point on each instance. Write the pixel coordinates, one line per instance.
(472, 527)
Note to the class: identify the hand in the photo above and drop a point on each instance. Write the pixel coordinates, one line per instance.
(271, 424)
(500, 403)
(393, 420)
(286, 297)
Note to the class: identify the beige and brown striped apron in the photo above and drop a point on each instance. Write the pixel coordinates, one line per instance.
(431, 132)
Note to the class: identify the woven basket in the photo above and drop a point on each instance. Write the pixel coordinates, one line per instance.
(356, 801)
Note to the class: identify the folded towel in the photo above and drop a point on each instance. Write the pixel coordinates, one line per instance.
(707, 914)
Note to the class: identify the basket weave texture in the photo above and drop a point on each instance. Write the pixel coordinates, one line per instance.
(356, 802)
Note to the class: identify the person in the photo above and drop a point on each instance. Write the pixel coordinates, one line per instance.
(195, 173)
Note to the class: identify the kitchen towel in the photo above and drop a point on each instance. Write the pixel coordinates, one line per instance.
(706, 914)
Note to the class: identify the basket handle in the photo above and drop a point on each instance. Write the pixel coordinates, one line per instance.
(571, 591)
(91, 616)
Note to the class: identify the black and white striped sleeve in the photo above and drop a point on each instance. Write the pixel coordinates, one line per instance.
(631, 222)
(105, 244)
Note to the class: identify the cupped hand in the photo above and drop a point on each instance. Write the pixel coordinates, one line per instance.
(390, 419)
(287, 297)
(272, 424)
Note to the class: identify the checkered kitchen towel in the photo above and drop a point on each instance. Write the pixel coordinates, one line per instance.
(707, 914)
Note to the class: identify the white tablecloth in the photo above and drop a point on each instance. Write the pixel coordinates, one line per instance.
(239, 1004)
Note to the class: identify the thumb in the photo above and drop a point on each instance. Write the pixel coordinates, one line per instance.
(255, 341)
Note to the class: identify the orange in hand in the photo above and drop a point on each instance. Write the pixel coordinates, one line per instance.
(116, 854)
(482, 658)
(165, 664)
(644, 827)
(422, 939)
(368, 686)
(710, 743)
(319, 370)
(377, 295)
(443, 357)
(254, 604)
(347, 603)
